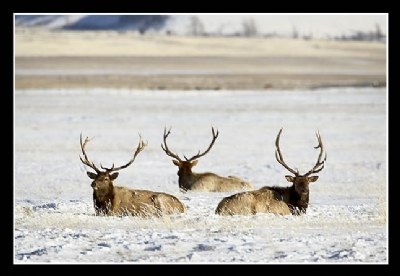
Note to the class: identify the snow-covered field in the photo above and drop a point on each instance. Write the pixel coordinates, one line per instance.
(346, 221)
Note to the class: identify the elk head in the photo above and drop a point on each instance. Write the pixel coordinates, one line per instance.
(102, 180)
(185, 166)
(301, 182)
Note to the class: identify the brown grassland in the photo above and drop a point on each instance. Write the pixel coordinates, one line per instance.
(61, 59)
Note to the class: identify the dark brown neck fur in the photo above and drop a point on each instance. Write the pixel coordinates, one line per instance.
(186, 179)
(103, 201)
(297, 203)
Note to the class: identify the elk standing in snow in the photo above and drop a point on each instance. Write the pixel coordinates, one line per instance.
(114, 200)
(278, 200)
(205, 182)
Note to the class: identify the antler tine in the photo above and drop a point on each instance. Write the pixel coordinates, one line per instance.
(198, 155)
(279, 157)
(86, 161)
(165, 146)
(139, 148)
(107, 169)
(320, 161)
(192, 157)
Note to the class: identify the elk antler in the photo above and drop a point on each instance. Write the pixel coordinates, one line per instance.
(198, 155)
(139, 148)
(279, 156)
(86, 161)
(320, 163)
(165, 147)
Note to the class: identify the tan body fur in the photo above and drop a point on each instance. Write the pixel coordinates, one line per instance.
(124, 201)
(252, 202)
(210, 182)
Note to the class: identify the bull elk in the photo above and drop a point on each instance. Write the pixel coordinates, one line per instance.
(114, 200)
(206, 182)
(278, 200)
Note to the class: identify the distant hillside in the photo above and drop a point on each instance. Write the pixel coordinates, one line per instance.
(46, 21)
(139, 23)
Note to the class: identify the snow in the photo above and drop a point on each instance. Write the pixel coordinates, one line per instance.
(346, 222)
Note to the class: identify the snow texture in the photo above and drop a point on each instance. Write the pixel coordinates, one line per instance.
(346, 222)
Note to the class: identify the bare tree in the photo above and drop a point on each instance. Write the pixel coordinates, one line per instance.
(378, 32)
(295, 32)
(249, 27)
(196, 27)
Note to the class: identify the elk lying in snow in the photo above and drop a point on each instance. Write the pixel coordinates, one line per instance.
(278, 200)
(207, 182)
(113, 200)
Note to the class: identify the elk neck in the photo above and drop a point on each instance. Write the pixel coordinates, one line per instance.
(298, 202)
(103, 197)
(186, 179)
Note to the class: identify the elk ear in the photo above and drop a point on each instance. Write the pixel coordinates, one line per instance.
(312, 178)
(289, 178)
(91, 175)
(114, 176)
(194, 163)
(176, 162)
